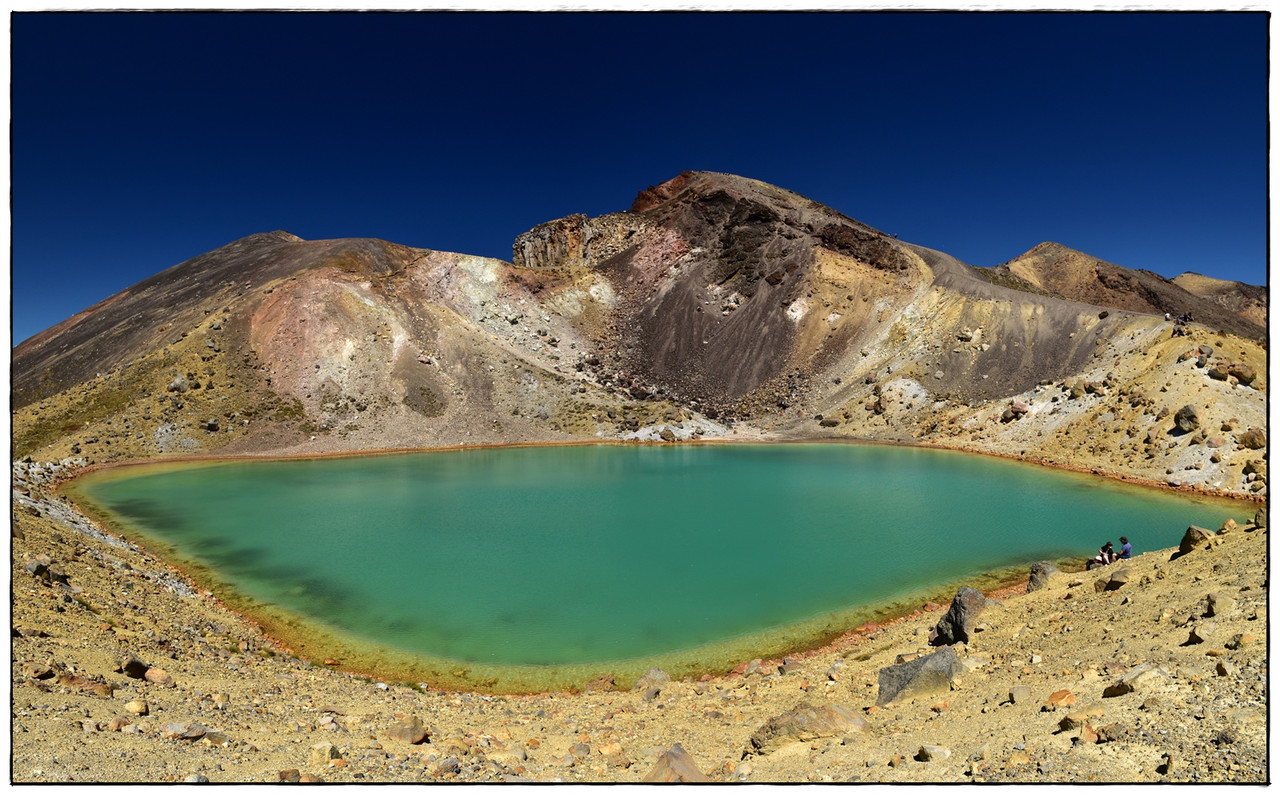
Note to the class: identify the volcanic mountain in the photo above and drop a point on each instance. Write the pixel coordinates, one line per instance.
(716, 306)
(1056, 270)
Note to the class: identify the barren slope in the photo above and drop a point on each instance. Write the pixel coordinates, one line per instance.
(1057, 270)
(1247, 300)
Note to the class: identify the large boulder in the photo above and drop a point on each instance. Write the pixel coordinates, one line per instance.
(806, 722)
(1242, 372)
(957, 625)
(674, 765)
(1187, 419)
(1254, 439)
(408, 730)
(922, 676)
(1194, 538)
(1041, 572)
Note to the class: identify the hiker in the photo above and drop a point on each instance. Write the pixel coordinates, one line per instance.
(1105, 556)
(1126, 549)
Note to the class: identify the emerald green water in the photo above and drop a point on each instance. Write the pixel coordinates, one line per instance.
(579, 555)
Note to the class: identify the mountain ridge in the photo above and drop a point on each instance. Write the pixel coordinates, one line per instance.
(717, 307)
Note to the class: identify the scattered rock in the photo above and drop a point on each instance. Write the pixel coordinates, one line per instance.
(1194, 538)
(1139, 677)
(1241, 640)
(601, 684)
(1058, 699)
(133, 668)
(1041, 573)
(1242, 373)
(1219, 605)
(183, 731)
(654, 677)
(1254, 439)
(322, 754)
(1187, 419)
(806, 722)
(675, 765)
(158, 676)
(957, 625)
(932, 753)
(408, 730)
(1112, 582)
(137, 707)
(927, 675)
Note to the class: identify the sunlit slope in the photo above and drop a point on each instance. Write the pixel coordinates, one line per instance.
(1053, 269)
(716, 306)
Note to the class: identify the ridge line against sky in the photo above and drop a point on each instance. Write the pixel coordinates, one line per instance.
(139, 141)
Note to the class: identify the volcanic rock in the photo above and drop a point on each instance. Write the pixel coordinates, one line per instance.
(922, 676)
(957, 625)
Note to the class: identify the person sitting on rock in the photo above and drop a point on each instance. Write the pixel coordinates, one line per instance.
(1104, 557)
(1126, 549)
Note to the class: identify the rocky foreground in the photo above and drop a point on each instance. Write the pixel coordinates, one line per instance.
(1150, 670)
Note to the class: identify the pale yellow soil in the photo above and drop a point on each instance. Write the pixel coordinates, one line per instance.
(265, 710)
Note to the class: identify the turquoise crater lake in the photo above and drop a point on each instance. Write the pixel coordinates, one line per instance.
(586, 556)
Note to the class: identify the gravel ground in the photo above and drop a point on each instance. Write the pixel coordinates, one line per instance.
(122, 671)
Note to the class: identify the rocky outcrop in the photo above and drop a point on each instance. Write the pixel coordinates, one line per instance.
(577, 241)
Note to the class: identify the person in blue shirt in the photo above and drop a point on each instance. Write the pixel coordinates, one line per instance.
(1126, 551)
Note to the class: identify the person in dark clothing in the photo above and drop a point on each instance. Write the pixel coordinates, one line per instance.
(1106, 555)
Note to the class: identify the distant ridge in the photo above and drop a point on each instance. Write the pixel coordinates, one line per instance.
(1054, 269)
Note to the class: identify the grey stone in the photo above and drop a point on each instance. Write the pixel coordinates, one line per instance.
(1136, 679)
(957, 625)
(183, 731)
(1219, 605)
(408, 730)
(932, 753)
(927, 675)
(1041, 572)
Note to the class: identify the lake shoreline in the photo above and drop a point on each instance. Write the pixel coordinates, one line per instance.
(307, 638)
(265, 712)
(1130, 480)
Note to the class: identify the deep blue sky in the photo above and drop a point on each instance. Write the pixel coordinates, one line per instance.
(141, 140)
